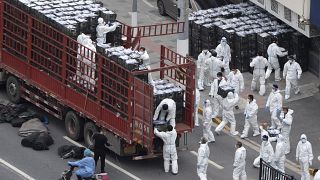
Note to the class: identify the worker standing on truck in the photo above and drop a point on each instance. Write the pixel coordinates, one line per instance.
(166, 112)
(169, 148)
(80, 39)
(144, 57)
(89, 63)
(102, 30)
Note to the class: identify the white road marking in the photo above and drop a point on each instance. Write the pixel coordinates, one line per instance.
(108, 162)
(149, 4)
(16, 169)
(210, 162)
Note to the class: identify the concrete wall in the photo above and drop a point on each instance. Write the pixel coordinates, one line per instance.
(297, 6)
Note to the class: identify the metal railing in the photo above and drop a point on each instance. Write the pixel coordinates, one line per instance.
(267, 172)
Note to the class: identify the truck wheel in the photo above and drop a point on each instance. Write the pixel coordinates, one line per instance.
(13, 89)
(74, 126)
(161, 8)
(89, 129)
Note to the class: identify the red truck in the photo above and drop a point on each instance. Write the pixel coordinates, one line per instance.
(39, 65)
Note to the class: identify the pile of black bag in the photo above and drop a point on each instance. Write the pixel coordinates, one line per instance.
(67, 151)
(38, 141)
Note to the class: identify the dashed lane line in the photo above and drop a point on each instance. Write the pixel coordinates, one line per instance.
(107, 161)
(26, 176)
(209, 161)
(149, 4)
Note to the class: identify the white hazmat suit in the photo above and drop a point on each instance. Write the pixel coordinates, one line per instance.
(102, 29)
(144, 56)
(202, 164)
(202, 67)
(266, 153)
(88, 69)
(273, 52)
(250, 113)
(304, 156)
(215, 66)
(239, 165)
(81, 50)
(280, 155)
(207, 123)
(217, 99)
(196, 107)
(228, 104)
(168, 115)
(235, 80)
(223, 50)
(259, 64)
(274, 103)
(169, 149)
(286, 128)
(291, 72)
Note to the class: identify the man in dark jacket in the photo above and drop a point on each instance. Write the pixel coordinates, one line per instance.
(100, 148)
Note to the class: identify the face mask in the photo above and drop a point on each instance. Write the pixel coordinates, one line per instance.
(223, 43)
(273, 90)
(290, 61)
(303, 140)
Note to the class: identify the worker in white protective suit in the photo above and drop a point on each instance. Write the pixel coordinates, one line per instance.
(169, 148)
(292, 73)
(166, 112)
(80, 56)
(217, 99)
(223, 51)
(203, 158)
(286, 117)
(235, 80)
(250, 114)
(196, 107)
(102, 30)
(215, 64)
(304, 156)
(202, 67)
(273, 52)
(259, 64)
(207, 121)
(144, 57)
(228, 104)
(89, 64)
(239, 164)
(274, 105)
(279, 154)
(266, 152)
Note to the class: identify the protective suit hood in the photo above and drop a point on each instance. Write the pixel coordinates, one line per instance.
(207, 103)
(303, 136)
(253, 101)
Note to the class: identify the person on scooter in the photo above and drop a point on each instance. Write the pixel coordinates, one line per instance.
(86, 165)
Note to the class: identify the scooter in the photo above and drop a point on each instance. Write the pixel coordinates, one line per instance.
(67, 174)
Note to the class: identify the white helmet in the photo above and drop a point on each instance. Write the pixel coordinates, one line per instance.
(100, 20)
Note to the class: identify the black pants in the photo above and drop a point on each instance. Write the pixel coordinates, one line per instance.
(102, 156)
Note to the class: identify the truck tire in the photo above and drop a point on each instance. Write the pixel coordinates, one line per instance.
(74, 126)
(161, 8)
(13, 89)
(89, 129)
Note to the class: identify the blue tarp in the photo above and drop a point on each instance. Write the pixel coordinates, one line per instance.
(315, 12)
